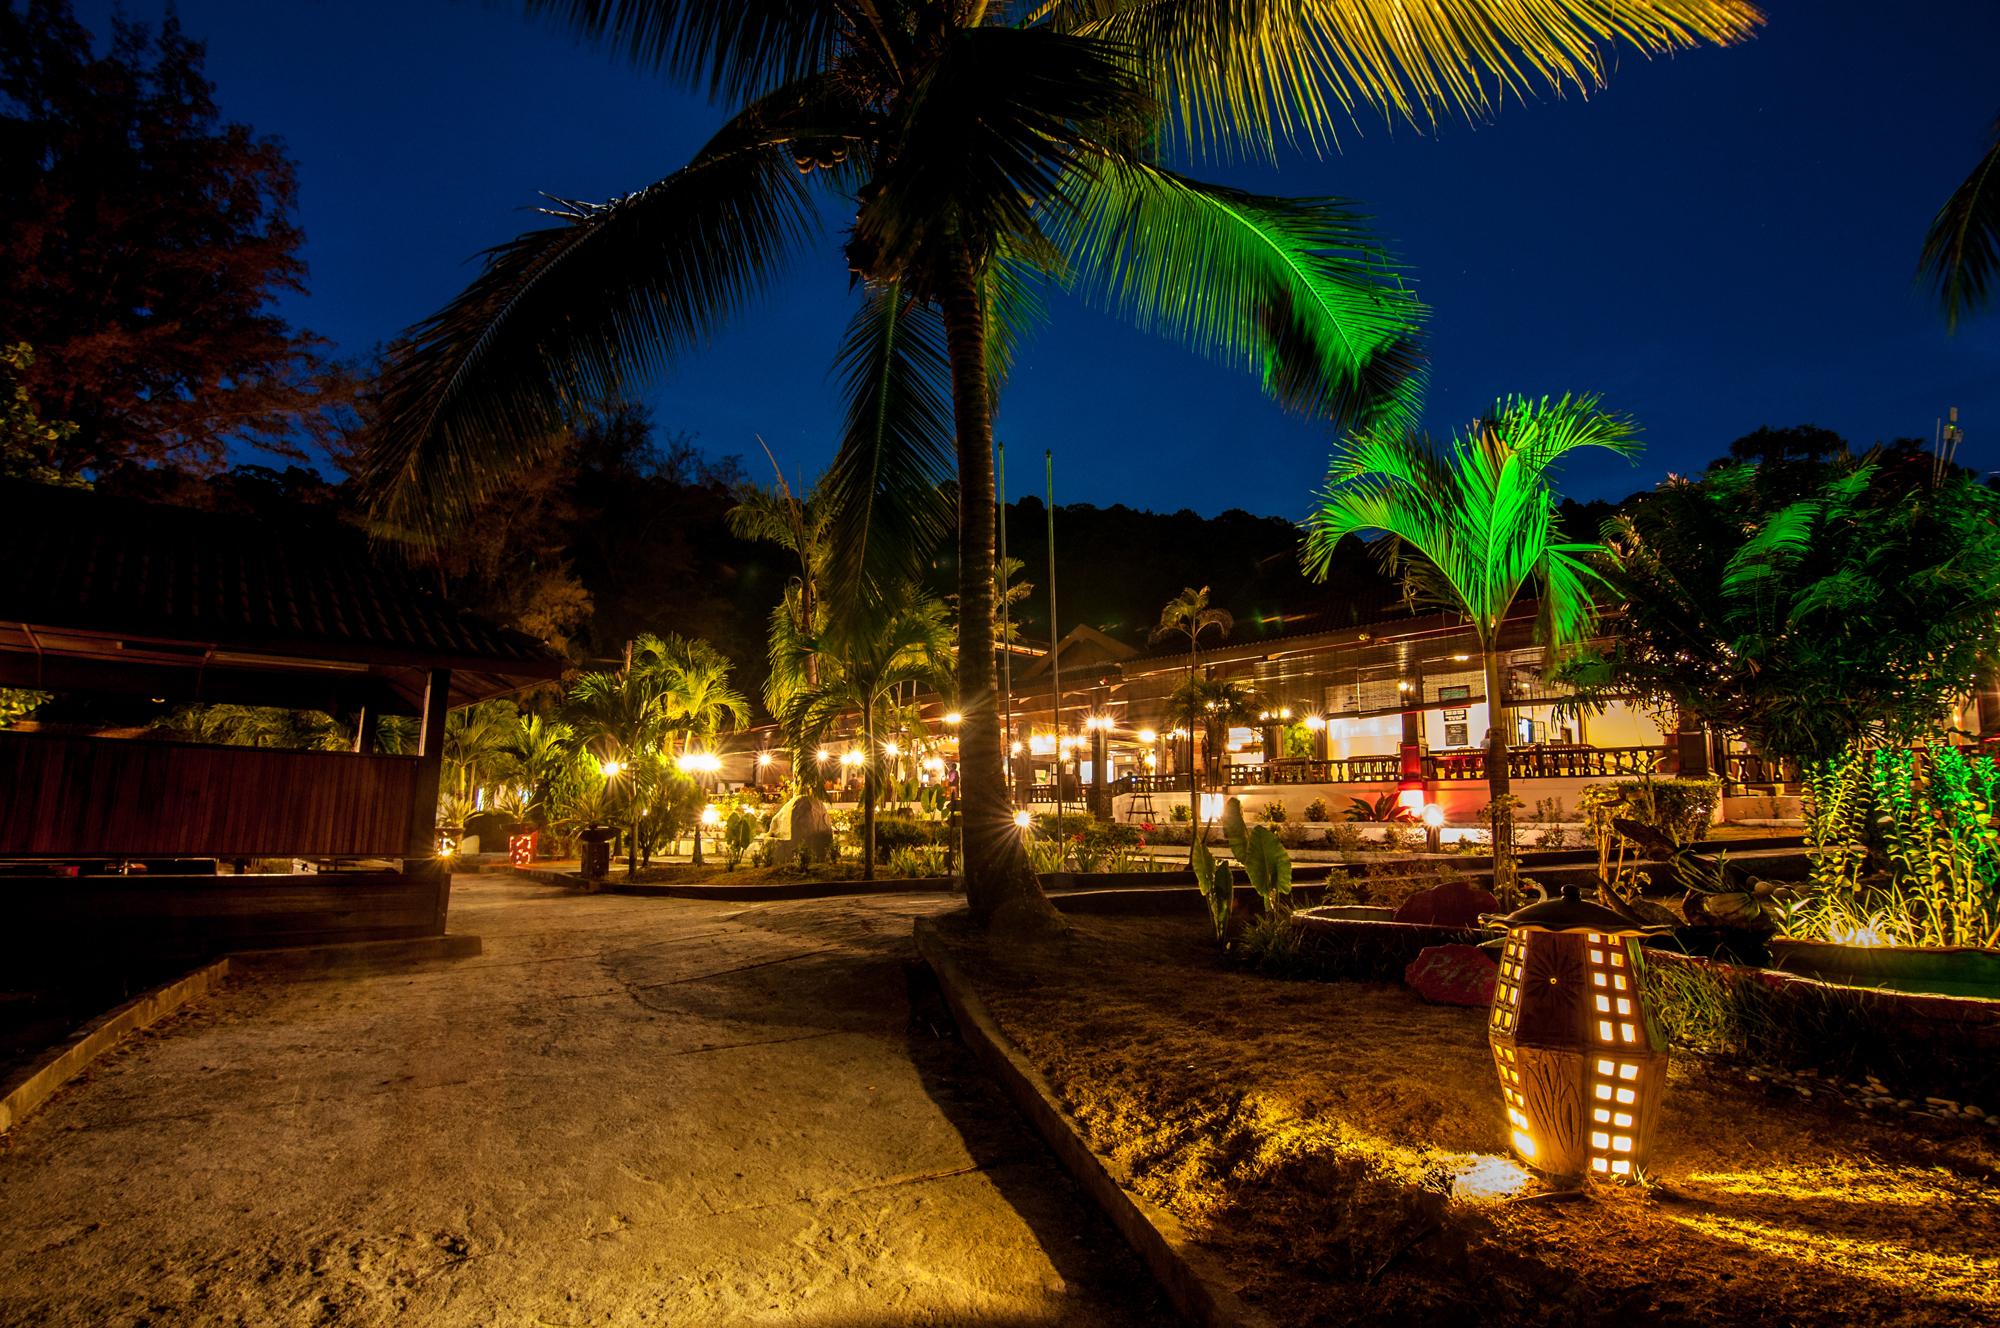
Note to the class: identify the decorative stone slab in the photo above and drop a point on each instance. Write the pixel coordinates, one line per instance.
(1453, 975)
(1453, 904)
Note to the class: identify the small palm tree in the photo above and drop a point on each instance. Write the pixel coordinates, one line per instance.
(1470, 527)
(1189, 613)
(1962, 249)
(982, 152)
(690, 679)
(866, 657)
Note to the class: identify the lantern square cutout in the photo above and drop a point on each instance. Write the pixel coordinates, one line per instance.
(1581, 1059)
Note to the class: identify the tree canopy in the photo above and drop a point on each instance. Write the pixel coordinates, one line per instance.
(144, 240)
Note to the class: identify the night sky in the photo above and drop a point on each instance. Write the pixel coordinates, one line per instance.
(1714, 242)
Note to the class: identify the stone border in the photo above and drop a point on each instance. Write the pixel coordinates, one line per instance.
(37, 1083)
(1192, 1279)
(719, 893)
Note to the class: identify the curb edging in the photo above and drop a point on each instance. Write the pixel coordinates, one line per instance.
(1190, 1277)
(37, 1083)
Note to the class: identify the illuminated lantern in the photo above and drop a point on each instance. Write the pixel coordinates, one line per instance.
(1582, 1061)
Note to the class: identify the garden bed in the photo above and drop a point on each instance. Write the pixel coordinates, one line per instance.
(1340, 1147)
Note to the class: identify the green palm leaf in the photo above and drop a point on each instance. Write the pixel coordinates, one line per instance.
(1295, 290)
(1962, 249)
(565, 315)
(887, 511)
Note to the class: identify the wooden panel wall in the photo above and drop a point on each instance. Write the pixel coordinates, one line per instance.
(67, 795)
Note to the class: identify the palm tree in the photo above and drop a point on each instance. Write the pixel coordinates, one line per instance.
(1962, 248)
(1190, 614)
(1469, 528)
(691, 681)
(621, 716)
(982, 151)
(866, 657)
(541, 749)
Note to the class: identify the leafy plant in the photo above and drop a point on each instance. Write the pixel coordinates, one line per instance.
(1263, 858)
(1317, 811)
(917, 861)
(738, 833)
(1217, 887)
(1274, 813)
(1180, 814)
(1377, 810)
(1343, 837)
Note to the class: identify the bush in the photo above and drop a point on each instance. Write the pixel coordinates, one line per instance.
(1317, 811)
(1179, 814)
(1343, 837)
(895, 831)
(917, 861)
(1274, 813)
(1678, 808)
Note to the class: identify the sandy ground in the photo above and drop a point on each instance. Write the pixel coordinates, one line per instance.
(625, 1111)
(1341, 1147)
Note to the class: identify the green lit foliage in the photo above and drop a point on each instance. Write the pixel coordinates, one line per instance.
(1211, 705)
(1904, 847)
(1471, 526)
(1807, 604)
(1190, 614)
(1380, 809)
(738, 833)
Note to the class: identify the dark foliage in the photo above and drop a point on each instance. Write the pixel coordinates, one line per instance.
(143, 240)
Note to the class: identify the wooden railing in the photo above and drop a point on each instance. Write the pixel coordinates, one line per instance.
(1348, 770)
(1750, 768)
(72, 796)
(1550, 763)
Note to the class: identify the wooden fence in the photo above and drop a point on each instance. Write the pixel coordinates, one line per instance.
(72, 796)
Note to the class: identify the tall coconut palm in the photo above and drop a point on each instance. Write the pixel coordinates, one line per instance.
(1190, 614)
(982, 150)
(1962, 249)
(1470, 527)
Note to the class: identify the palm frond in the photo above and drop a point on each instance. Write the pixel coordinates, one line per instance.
(1961, 255)
(738, 50)
(1297, 291)
(570, 313)
(886, 509)
(1253, 75)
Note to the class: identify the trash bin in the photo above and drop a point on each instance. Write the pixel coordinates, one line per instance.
(596, 852)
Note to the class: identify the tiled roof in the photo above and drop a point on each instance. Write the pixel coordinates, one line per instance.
(78, 560)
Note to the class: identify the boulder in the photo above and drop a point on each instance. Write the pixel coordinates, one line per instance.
(1453, 975)
(801, 830)
(1453, 904)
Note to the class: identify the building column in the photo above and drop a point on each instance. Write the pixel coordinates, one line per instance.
(430, 764)
(1691, 748)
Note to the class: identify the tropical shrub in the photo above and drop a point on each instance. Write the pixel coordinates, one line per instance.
(1263, 858)
(738, 833)
(1217, 887)
(1274, 812)
(1343, 837)
(1179, 814)
(895, 830)
(1381, 808)
(917, 862)
(1317, 811)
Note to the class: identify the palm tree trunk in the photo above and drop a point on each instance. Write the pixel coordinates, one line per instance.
(1499, 787)
(868, 791)
(1000, 889)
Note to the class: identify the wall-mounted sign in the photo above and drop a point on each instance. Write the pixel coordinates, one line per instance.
(1456, 692)
(1454, 716)
(1454, 736)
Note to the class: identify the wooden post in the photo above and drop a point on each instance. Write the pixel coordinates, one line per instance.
(430, 765)
(1691, 743)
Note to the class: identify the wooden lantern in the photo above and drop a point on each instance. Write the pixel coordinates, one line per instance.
(1582, 1060)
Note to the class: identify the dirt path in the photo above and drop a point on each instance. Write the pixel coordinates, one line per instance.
(624, 1112)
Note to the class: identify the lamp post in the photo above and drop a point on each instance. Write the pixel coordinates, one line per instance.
(1581, 1058)
(700, 766)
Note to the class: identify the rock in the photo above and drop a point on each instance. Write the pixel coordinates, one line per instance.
(1973, 1111)
(1453, 975)
(1453, 904)
(801, 828)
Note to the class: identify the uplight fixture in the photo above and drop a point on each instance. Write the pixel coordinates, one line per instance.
(1581, 1059)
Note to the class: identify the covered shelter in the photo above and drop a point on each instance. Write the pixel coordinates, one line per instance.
(125, 841)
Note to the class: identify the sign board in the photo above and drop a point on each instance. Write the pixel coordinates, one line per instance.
(1454, 736)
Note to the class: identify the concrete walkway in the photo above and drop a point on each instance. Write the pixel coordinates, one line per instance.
(626, 1111)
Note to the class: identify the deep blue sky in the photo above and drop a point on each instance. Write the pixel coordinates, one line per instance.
(1714, 242)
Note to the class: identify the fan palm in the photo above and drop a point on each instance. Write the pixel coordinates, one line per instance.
(868, 653)
(1962, 248)
(982, 150)
(1470, 527)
